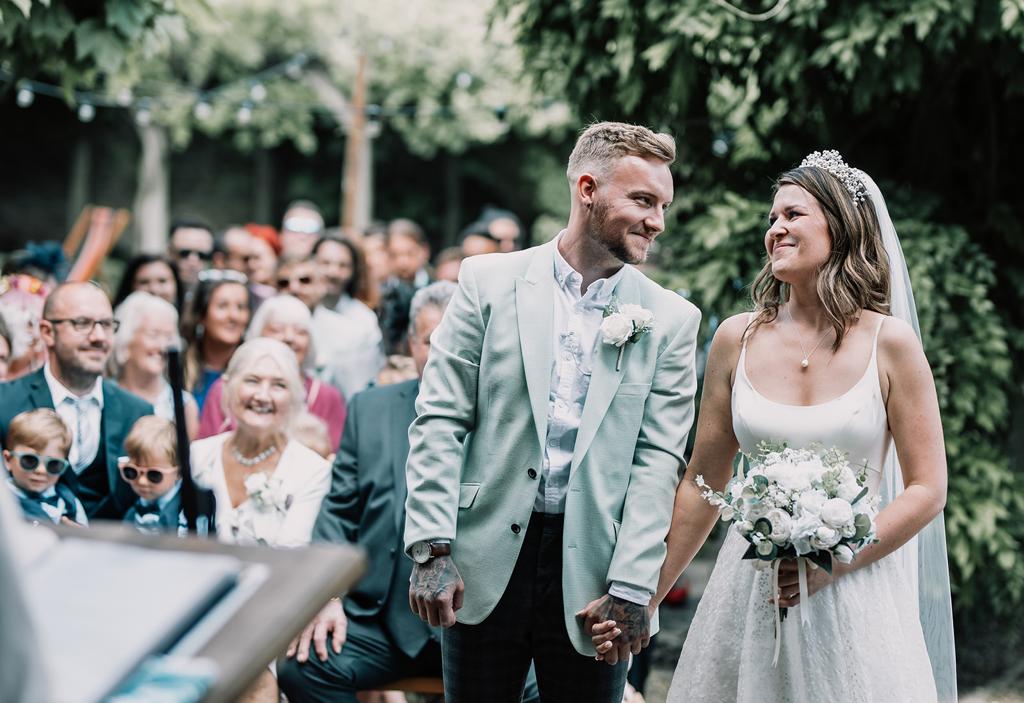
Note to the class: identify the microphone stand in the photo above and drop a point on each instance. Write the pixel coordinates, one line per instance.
(198, 504)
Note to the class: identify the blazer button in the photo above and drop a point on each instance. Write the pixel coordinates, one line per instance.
(532, 473)
(516, 529)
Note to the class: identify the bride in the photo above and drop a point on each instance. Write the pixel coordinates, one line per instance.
(831, 354)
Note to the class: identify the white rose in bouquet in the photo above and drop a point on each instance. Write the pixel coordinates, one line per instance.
(616, 329)
(782, 524)
(811, 501)
(843, 553)
(848, 531)
(801, 532)
(825, 537)
(836, 512)
(638, 315)
(848, 491)
(790, 477)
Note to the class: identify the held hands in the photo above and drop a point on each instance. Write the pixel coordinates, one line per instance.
(617, 627)
(435, 591)
(330, 620)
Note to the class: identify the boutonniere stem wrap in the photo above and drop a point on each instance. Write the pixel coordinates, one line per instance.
(625, 324)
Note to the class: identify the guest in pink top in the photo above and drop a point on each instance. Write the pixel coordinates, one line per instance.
(288, 320)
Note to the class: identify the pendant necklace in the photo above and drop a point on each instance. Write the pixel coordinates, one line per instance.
(806, 360)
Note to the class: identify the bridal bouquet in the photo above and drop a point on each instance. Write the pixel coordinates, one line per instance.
(798, 504)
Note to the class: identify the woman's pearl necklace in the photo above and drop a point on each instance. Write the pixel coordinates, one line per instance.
(253, 460)
(806, 360)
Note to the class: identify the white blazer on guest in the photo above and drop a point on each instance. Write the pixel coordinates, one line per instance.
(304, 478)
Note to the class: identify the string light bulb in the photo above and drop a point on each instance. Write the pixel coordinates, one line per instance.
(25, 96)
(86, 112)
(203, 110)
(258, 92)
(244, 115)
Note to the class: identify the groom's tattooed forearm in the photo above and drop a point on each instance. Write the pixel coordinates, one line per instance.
(432, 579)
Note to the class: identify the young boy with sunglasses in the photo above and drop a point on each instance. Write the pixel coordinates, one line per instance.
(151, 469)
(38, 443)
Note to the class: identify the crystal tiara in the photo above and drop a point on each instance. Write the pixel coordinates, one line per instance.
(831, 161)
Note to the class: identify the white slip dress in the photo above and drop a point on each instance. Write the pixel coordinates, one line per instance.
(864, 642)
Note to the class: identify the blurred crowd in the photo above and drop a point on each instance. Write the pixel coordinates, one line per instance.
(282, 335)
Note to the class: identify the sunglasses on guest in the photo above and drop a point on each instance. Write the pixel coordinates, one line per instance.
(31, 462)
(130, 472)
(189, 253)
(283, 283)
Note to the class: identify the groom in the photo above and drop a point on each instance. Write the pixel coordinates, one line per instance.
(547, 448)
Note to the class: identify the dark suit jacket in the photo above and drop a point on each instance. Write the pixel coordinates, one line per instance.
(170, 515)
(120, 411)
(366, 502)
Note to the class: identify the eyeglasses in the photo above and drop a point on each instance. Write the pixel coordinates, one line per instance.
(189, 253)
(30, 462)
(130, 472)
(219, 275)
(283, 283)
(85, 325)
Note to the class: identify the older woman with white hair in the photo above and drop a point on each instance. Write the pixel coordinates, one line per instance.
(148, 325)
(288, 320)
(268, 486)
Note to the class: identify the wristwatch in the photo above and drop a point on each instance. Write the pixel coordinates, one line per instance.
(422, 552)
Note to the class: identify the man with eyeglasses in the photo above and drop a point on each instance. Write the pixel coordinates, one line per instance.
(190, 244)
(78, 330)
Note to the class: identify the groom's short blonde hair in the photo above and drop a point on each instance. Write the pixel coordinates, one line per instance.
(602, 143)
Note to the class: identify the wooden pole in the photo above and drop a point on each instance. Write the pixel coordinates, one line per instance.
(352, 184)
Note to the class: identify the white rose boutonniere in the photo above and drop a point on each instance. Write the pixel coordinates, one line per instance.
(625, 324)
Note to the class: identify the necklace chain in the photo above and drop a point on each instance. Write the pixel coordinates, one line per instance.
(806, 360)
(253, 460)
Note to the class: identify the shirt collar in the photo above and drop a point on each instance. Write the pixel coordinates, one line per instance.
(167, 497)
(599, 292)
(59, 392)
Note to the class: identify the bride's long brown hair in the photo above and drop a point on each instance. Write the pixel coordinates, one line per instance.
(856, 275)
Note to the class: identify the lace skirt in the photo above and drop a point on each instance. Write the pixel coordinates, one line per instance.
(864, 643)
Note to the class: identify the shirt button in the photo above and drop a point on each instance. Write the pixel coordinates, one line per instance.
(532, 473)
(516, 529)
(552, 443)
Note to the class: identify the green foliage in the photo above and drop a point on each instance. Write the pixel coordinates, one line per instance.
(85, 44)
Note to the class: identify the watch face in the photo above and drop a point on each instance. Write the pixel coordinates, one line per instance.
(421, 552)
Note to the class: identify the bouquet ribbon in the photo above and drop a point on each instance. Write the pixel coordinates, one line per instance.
(805, 614)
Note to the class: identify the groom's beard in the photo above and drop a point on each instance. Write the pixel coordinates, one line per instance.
(613, 241)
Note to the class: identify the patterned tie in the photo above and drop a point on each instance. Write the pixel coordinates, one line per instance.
(79, 444)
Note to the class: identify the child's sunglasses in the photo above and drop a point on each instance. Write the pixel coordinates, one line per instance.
(30, 462)
(131, 473)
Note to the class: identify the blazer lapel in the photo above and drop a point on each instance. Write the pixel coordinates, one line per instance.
(39, 392)
(401, 418)
(535, 315)
(605, 380)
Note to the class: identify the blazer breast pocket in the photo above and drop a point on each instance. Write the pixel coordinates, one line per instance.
(467, 494)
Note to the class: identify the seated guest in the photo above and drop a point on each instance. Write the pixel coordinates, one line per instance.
(287, 320)
(151, 469)
(214, 327)
(409, 253)
(301, 225)
(78, 328)
(190, 246)
(476, 240)
(148, 325)
(231, 249)
(37, 454)
(311, 431)
(6, 347)
(371, 638)
(268, 487)
(21, 304)
(152, 273)
(261, 263)
(448, 263)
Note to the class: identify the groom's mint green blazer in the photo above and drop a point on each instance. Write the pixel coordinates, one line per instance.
(476, 446)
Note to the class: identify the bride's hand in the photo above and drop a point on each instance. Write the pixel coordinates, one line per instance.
(817, 578)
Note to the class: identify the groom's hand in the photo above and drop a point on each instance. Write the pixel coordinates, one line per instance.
(630, 620)
(435, 591)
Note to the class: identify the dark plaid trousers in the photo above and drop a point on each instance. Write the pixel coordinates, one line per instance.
(487, 663)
